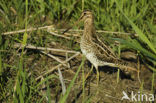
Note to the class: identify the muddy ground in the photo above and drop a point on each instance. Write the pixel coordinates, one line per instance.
(109, 90)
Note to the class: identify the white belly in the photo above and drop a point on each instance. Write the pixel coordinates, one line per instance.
(91, 57)
(94, 60)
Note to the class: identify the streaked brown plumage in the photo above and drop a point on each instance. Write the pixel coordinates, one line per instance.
(95, 50)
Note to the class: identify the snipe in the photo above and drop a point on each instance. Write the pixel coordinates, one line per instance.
(95, 50)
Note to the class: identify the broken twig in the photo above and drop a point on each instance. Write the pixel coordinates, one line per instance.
(29, 46)
(54, 68)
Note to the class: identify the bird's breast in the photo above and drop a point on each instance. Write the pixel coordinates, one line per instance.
(89, 52)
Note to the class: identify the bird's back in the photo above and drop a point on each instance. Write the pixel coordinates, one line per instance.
(95, 50)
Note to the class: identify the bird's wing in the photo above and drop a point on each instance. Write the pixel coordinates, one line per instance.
(103, 51)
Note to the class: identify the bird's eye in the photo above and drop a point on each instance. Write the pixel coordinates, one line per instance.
(85, 13)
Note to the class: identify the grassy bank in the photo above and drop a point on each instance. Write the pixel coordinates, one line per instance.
(19, 68)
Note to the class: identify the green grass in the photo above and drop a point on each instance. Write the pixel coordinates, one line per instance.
(113, 15)
(20, 91)
(63, 99)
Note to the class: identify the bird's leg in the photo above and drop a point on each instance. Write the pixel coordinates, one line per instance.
(97, 72)
(98, 75)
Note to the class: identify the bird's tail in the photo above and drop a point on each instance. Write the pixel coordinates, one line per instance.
(128, 67)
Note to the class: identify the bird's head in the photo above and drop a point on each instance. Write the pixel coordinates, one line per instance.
(86, 15)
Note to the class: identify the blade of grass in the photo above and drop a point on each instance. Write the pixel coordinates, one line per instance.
(1, 65)
(118, 75)
(153, 76)
(135, 45)
(82, 5)
(21, 75)
(141, 89)
(63, 99)
(138, 31)
(47, 78)
(48, 92)
(83, 84)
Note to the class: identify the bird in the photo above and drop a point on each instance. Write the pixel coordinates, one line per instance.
(95, 50)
